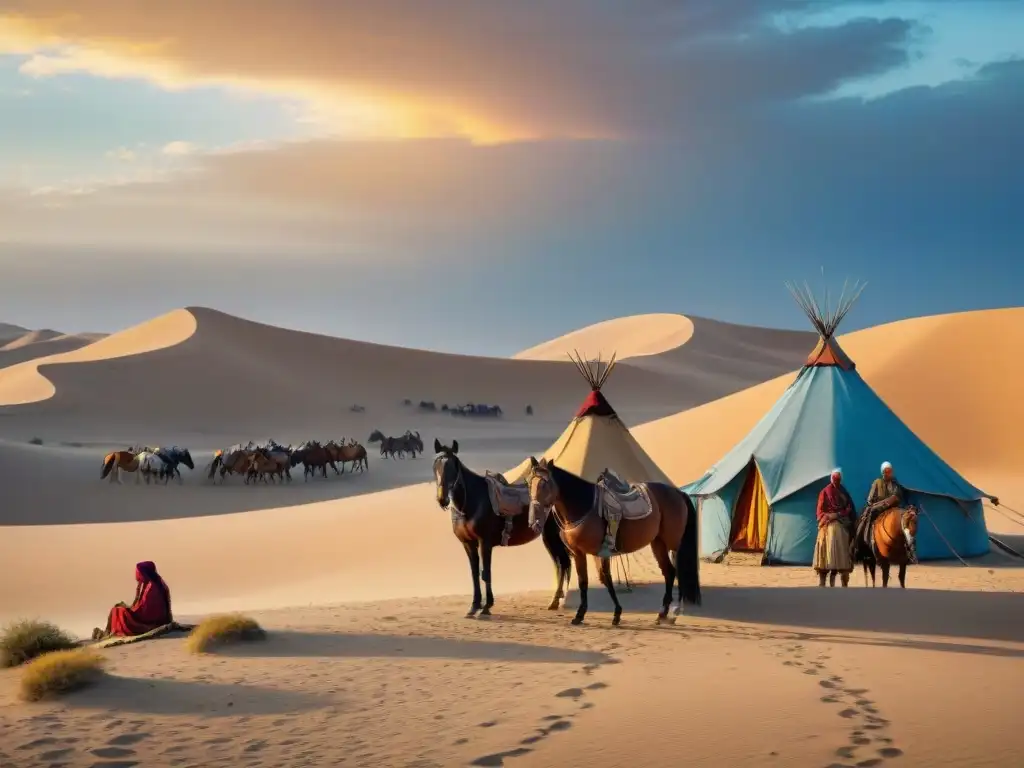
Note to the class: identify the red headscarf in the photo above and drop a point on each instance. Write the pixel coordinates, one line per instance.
(146, 573)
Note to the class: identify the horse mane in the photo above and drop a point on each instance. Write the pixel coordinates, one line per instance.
(577, 493)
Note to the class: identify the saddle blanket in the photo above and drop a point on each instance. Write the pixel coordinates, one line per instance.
(507, 500)
(635, 504)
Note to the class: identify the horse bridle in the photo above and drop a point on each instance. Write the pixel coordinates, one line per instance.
(564, 523)
(443, 456)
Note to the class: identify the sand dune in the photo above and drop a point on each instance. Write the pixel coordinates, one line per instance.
(18, 345)
(627, 337)
(201, 372)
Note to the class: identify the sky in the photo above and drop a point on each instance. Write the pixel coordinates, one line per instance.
(478, 176)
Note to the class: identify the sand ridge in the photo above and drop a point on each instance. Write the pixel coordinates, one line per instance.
(632, 336)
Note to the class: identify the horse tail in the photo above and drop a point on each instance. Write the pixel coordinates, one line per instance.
(688, 557)
(557, 549)
(217, 460)
(108, 464)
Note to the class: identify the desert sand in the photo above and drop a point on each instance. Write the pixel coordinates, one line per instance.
(363, 587)
(18, 344)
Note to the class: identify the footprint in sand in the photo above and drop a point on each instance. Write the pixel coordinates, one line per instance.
(488, 724)
(826, 684)
(115, 764)
(126, 739)
(888, 752)
(112, 752)
(871, 762)
(56, 754)
(848, 713)
(498, 758)
(570, 693)
(597, 686)
(558, 725)
(532, 739)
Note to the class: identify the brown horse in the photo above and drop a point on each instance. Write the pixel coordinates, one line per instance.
(260, 466)
(480, 526)
(235, 462)
(668, 525)
(894, 533)
(354, 453)
(118, 461)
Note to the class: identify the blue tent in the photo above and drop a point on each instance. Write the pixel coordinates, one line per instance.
(761, 497)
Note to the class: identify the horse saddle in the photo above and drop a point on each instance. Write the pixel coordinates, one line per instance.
(611, 480)
(633, 503)
(507, 500)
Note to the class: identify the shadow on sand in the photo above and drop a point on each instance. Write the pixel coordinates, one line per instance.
(161, 696)
(343, 645)
(784, 613)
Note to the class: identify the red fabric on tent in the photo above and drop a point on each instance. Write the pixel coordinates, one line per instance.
(595, 405)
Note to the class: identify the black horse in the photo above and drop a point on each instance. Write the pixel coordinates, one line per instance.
(481, 528)
(172, 457)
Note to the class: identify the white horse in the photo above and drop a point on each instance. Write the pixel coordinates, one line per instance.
(150, 464)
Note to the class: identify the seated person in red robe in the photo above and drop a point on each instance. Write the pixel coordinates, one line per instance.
(151, 609)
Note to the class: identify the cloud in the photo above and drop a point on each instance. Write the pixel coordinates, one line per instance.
(488, 70)
(178, 148)
(925, 170)
(123, 154)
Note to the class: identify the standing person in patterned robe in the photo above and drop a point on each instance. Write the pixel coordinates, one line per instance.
(835, 515)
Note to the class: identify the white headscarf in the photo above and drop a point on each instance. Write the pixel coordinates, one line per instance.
(836, 471)
(886, 465)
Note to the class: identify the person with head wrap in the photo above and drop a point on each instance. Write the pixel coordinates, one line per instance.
(886, 493)
(151, 608)
(835, 531)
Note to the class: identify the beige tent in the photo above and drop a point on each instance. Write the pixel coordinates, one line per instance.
(596, 439)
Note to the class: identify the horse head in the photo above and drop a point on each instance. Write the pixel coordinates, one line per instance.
(447, 471)
(543, 491)
(185, 457)
(908, 522)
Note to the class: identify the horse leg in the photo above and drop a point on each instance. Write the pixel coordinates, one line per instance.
(559, 557)
(473, 553)
(668, 571)
(606, 577)
(903, 576)
(884, 565)
(489, 602)
(582, 581)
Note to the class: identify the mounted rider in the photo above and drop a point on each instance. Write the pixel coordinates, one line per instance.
(886, 493)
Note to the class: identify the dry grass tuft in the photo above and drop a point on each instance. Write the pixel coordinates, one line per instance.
(223, 630)
(25, 640)
(60, 672)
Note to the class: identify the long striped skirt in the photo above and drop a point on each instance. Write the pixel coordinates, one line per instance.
(832, 549)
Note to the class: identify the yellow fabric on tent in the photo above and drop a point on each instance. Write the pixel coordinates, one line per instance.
(750, 515)
(591, 444)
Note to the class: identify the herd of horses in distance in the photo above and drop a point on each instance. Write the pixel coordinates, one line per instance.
(257, 462)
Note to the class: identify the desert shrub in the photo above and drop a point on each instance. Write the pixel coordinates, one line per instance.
(224, 630)
(25, 640)
(59, 672)
(36, 441)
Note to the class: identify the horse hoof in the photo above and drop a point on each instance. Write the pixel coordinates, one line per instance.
(576, 621)
(616, 620)
(472, 612)
(554, 606)
(485, 611)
